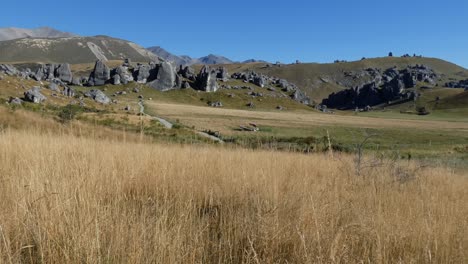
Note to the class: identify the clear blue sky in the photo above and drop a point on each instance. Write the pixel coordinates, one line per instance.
(311, 31)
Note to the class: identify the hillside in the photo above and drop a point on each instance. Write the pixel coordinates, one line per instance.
(73, 50)
(187, 60)
(320, 80)
(42, 32)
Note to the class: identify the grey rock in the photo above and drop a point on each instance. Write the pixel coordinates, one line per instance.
(63, 73)
(76, 81)
(260, 81)
(165, 77)
(142, 73)
(300, 97)
(15, 101)
(124, 74)
(216, 104)
(100, 75)
(460, 84)
(34, 95)
(222, 74)
(186, 72)
(206, 80)
(54, 87)
(186, 85)
(98, 96)
(8, 69)
(178, 81)
(68, 91)
(116, 79)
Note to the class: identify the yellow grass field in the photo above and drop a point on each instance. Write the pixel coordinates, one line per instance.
(68, 199)
(220, 119)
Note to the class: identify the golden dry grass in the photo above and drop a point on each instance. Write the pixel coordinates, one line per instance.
(65, 199)
(224, 119)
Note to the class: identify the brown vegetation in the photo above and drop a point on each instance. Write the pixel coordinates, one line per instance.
(68, 199)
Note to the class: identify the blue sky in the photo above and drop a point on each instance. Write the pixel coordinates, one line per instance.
(311, 31)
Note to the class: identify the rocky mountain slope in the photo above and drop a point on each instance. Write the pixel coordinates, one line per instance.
(321, 80)
(188, 61)
(41, 32)
(72, 50)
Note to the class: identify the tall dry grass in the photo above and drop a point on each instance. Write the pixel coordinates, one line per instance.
(65, 199)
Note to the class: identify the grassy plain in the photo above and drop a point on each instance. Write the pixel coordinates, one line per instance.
(65, 198)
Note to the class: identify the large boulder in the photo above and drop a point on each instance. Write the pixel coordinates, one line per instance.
(186, 72)
(206, 80)
(98, 96)
(63, 73)
(124, 74)
(34, 95)
(142, 73)
(76, 81)
(222, 74)
(300, 97)
(260, 80)
(46, 72)
(165, 77)
(100, 75)
(54, 87)
(116, 79)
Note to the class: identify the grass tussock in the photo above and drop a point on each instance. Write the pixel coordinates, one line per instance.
(68, 199)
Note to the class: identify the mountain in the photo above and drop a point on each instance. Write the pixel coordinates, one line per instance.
(214, 59)
(72, 50)
(42, 32)
(187, 60)
(164, 54)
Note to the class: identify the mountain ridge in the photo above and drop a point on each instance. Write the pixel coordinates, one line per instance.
(11, 33)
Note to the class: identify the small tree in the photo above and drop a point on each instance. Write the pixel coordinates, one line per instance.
(67, 114)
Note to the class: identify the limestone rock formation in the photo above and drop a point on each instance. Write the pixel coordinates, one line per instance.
(100, 75)
(63, 73)
(34, 95)
(165, 77)
(206, 80)
(98, 96)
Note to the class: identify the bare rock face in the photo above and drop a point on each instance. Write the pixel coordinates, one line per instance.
(206, 79)
(34, 95)
(8, 69)
(63, 73)
(98, 96)
(124, 74)
(142, 73)
(166, 77)
(100, 75)
(116, 79)
(391, 86)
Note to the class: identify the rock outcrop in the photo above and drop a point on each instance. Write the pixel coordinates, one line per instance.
(206, 80)
(63, 73)
(142, 73)
(34, 95)
(98, 96)
(460, 84)
(8, 69)
(389, 86)
(165, 77)
(100, 75)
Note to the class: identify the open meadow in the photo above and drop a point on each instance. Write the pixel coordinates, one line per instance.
(84, 199)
